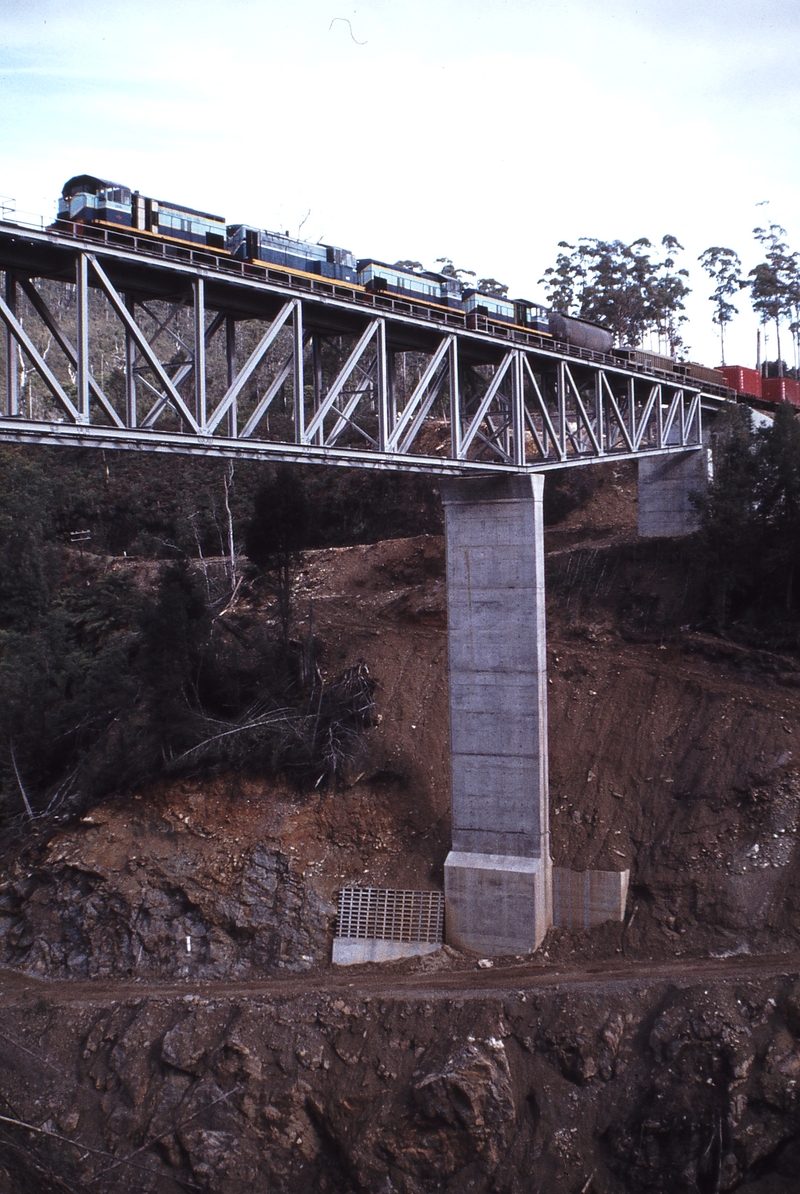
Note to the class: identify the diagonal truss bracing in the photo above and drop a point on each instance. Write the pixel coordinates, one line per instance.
(426, 392)
(201, 354)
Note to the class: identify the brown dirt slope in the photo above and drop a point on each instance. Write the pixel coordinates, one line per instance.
(657, 1079)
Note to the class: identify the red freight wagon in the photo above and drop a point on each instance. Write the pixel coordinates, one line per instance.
(781, 389)
(746, 381)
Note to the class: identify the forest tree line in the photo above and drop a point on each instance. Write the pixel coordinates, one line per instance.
(637, 289)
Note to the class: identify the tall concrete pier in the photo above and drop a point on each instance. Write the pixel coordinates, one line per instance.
(498, 875)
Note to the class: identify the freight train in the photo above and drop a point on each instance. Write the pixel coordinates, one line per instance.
(89, 200)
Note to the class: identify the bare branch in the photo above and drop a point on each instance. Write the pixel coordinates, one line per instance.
(23, 793)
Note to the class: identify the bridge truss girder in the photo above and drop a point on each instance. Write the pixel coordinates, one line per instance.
(203, 361)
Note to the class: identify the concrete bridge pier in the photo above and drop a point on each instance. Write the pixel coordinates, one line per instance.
(498, 874)
(666, 487)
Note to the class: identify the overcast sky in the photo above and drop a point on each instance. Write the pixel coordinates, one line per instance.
(483, 130)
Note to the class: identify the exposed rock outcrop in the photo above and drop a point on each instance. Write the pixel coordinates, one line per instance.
(644, 1086)
(174, 909)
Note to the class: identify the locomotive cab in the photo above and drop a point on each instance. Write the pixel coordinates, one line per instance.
(530, 315)
(86, 199)
(490, 306)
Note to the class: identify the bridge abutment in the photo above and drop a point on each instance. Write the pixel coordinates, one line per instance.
(498, 874)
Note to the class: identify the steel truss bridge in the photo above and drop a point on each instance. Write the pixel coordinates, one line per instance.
(118, 341)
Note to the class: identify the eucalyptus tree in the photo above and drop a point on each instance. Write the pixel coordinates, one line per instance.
(276, 534)
(464, 276)
(747, 548)
(493, 287)
(775, 282)
(414, 267)
(724, 267)
(621, 287)
(448, 270)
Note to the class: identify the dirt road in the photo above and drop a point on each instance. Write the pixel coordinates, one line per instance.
(462, 977)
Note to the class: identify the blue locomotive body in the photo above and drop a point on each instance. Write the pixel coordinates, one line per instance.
(520, 312)
(257, 244)
(89, 200)
(379, 277)
(490, 305)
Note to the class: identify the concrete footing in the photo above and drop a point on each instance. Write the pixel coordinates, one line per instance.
(666, 484)
(586, 899)
(496, 903)
(351, 951)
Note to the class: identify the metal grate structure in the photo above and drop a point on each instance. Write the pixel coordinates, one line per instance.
(116, 341)
(383, 914)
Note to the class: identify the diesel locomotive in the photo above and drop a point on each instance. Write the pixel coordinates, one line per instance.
(88, 200)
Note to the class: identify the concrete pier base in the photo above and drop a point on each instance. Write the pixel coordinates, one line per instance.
(666, 484)
(498, 874)
(496, 903)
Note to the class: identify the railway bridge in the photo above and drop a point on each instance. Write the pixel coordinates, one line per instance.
(114, 340)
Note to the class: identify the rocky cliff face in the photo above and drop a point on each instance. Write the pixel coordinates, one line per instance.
(618, 1085)
(168, 911)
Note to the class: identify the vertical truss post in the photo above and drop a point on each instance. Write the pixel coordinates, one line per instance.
(131, 418)
(382, 371)
(316, 365)
(599, 411)
(230, 356)
(632, 406)
(561, 396)
(518, 409)
(505, 437)
(82, 279)
(455, 399)
(660, 418)
(298, 383)
(686, 411)
(391, 373)
(12, 373)
(199, 352)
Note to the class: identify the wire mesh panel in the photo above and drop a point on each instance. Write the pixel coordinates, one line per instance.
(383, 914)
